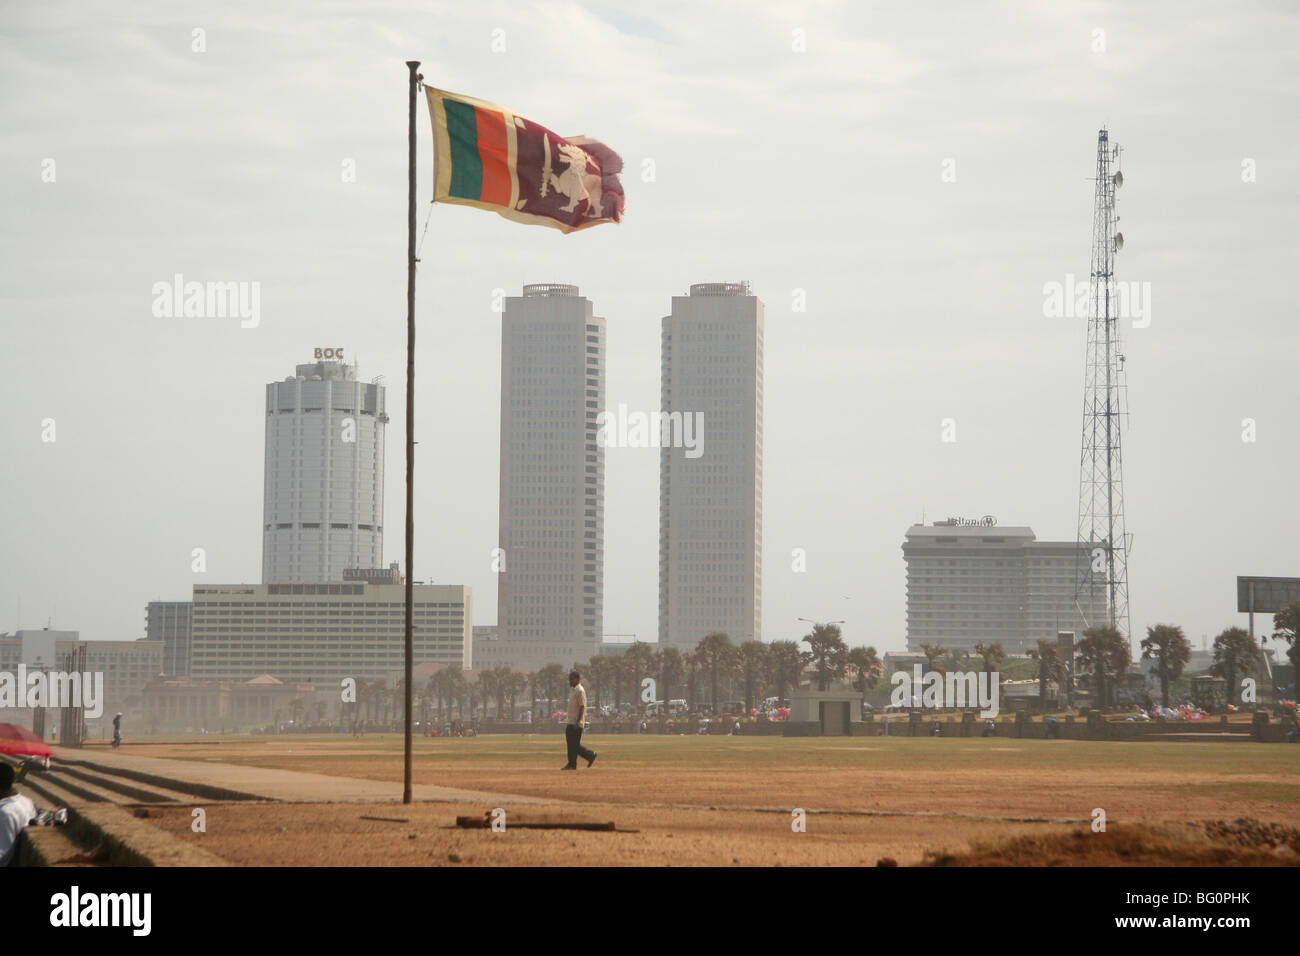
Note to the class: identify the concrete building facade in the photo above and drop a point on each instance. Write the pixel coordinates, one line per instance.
(323, 508)
(972, 583)
(127, 667)
(169, 622)
(320, 633)
(551, 558)
(172, 704)
(711, 496)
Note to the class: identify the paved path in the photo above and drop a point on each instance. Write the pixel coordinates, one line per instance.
(292, 786)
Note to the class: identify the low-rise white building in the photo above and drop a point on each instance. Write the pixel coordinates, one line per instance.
(317, 633)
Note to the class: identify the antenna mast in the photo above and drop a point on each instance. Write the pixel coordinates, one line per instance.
(1101, 582)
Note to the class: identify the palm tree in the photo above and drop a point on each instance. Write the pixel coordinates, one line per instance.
(1166, 645)
(552, 679)
(713, 652)
(617, 676)
(990, 654)
(867, 668)
(638, 660)
(932, 653)
(1050, 668)
(368, 697)
(595, 674)
(503, 675)
(671, 669)
(691, 664)
(440, 687)
(1104, 654)
(453, 684)
(1286, 627)
(828, 651)
(489, 685)
(515, 684)
(534, 690)
(755, 669)
(787, 663)
(425, 700)
(397, 701)
(1235, 654)
(955, 659)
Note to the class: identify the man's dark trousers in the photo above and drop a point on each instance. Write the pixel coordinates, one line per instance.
(573, 737)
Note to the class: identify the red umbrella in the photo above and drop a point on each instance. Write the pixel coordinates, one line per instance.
(20, 740)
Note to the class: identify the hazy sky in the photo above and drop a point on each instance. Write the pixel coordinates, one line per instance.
(801, 147)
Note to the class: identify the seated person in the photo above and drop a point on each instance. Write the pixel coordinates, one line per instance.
(16, 811)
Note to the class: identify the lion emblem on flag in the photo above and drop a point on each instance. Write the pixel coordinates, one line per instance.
(583, 176)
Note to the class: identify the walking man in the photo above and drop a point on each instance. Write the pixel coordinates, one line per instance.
(573, 729)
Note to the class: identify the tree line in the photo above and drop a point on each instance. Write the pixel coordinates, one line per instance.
(717, 670)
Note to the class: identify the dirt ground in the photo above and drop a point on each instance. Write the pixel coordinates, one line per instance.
(727, 801)
(337, 834)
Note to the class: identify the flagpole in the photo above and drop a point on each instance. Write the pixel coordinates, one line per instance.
(412, 65)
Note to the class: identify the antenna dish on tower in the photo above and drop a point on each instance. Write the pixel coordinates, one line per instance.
(1118, 179)
(1119, 241)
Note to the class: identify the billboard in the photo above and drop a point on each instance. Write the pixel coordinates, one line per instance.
(1266, 595)
(38, 648)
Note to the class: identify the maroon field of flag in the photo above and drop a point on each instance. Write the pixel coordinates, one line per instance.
(489, 157)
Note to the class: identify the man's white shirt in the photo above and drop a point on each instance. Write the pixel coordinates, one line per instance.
(15, 813)
(577, 703)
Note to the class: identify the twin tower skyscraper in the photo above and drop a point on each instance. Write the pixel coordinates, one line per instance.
(324, 473)
(556, 428)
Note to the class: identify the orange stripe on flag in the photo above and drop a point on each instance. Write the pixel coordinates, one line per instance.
(494, 153)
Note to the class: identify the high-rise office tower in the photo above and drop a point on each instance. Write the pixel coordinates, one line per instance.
(711, 492)
(324, 504)
(170, 622)
(550, 588)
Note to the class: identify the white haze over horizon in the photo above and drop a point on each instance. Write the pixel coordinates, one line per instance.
(817, 171)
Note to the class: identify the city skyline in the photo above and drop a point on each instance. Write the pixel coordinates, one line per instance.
(918, 296)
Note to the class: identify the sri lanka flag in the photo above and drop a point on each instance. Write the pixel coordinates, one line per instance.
(489, 157)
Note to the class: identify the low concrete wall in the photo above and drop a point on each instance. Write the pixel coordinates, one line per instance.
(1093, 727)
(966, 724)
(718, 726)
(803, 728)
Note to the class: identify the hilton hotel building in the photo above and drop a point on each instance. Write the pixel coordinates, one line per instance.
(972, 583)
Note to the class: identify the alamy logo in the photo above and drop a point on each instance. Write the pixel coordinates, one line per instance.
(102, 909)
(954, 689)
(625, 429)
(53, 689)
(1073, 300)
(179, 299)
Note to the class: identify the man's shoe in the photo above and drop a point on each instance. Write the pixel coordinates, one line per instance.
(592, 759)
(568, 766)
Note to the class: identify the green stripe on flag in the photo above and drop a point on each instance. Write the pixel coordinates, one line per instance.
(466, 164)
